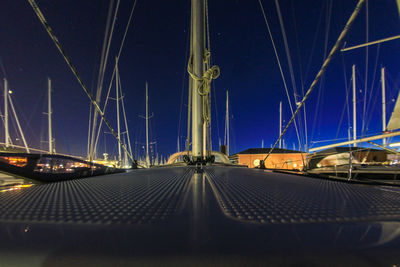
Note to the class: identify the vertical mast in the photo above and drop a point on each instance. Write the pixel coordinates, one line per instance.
(7, 136)
(117, 99)
(383, 104)
(227, 123)
(18, 124)
(198, 69)
(147, 127)
(49, 117)
(354, 104)
(280, 123)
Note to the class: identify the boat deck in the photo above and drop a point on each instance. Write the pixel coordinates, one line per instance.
(221, 215)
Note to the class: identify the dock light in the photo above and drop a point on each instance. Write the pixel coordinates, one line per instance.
(395, 144)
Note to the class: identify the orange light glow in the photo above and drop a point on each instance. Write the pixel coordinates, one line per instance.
(16, 161)
(16, 187)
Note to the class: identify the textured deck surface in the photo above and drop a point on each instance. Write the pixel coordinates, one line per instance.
(219, 216)
(272, 198)
(247, 195)
(136, 197)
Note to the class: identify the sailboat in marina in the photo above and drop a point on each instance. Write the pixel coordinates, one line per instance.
(42, 165)
(200, 212)
(341, 160)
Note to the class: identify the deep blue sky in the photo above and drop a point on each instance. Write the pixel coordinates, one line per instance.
(156, 51)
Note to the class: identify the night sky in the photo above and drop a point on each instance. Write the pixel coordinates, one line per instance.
(156, 51)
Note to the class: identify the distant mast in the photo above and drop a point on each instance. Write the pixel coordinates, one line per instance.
(49, 117)
(227, 123)
(354, 105)
(7, 135)
(117, 99)
(383, 104)
(280, 123)
(147, 127)
(17, 121)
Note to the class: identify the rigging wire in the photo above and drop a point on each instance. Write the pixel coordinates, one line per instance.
(345, 106)
(369, 116)
(101, 77)
(187, 55)
(289, 59)
(322, 70)
(18, 124)
(89, 128)
(314, 43)
(104, 109)
(208, 62)
(216, 110)
(280, 67)
(374, 75)
(1, 84)
(301, 75)
(94, 122)
(74, 71)
(126, 121)
(317, 115)
(329, 140)
(347, 92)
(25, 122)
(126, 29)
(190, 64)
(117, 59)
(212, 82)
(366, 69)
(372, 113)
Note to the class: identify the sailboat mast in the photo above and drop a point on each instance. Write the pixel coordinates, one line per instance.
(7, 135)
(198, 70)
(117, 99)
(280, 123)
(49, 113)
(227, 122)
(354, 104)
(383, 104)
(18, 124)
(147, 126)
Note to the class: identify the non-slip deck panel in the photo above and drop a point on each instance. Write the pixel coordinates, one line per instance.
(266, 197)
(141, 196)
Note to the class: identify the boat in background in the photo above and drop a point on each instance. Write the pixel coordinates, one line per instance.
(51, 167)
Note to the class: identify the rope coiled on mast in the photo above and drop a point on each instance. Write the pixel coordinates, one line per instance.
(204, 88)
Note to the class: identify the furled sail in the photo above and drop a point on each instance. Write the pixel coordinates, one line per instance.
(394, 122)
